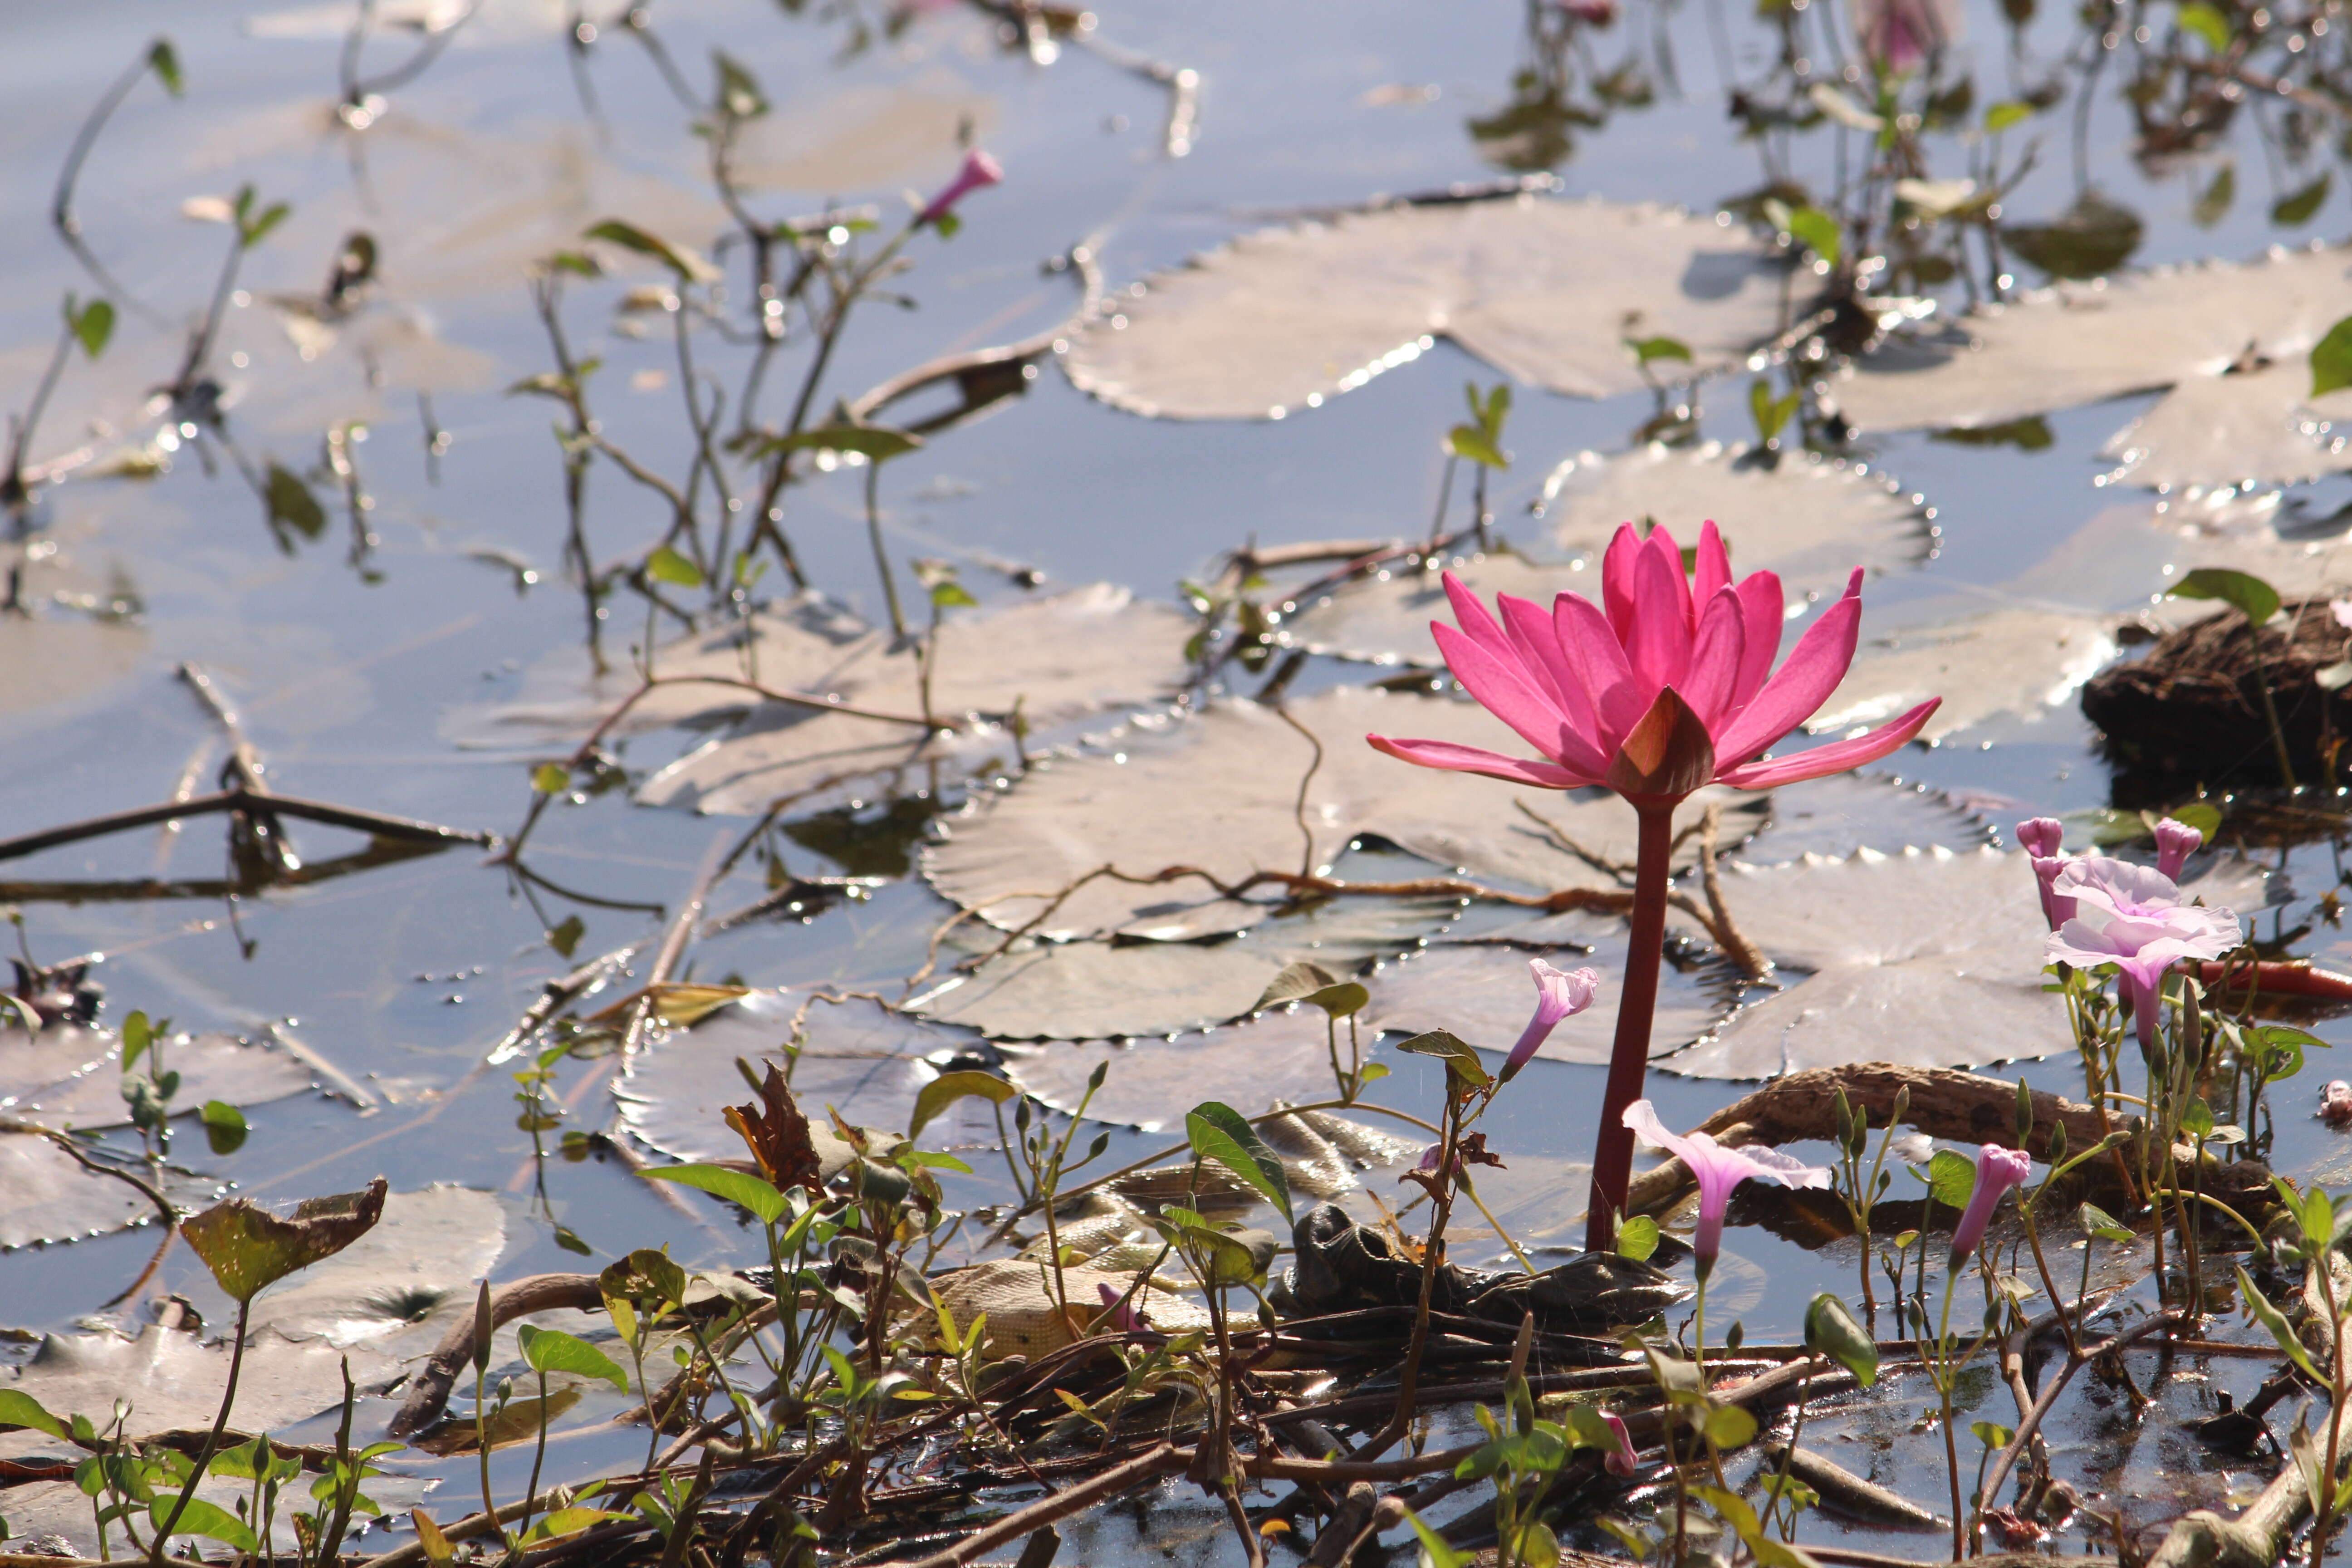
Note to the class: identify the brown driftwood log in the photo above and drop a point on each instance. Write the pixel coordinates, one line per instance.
(533, 1293)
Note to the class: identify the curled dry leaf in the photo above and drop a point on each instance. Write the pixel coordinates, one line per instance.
(777, 1134)
(1546, 291)
(248, 1248)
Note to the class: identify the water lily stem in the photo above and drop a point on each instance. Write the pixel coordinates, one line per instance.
(1612, 1152)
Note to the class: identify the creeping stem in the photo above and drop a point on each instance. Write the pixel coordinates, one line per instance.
(1612, 1153)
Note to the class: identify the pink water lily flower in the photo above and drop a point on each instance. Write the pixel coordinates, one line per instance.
(2134, 918)
(1609, 695)
(1998, 1170)
(1664, 686)
(979, 171)
(1718, 1169)
(2174, 843)
(1559, 994)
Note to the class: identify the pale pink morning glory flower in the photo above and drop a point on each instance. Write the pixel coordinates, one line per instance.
(2132, 917)
(2336, 1103)
(1998, 1170)
(978, 171)
(1718, 1169)
(1559, 994)
(2174, 842)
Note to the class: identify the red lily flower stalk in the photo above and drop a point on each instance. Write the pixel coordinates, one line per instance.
(1664, 688)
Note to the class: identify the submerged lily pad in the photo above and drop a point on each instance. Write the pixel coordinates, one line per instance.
(859, 1059)
(1088, 990)
(1926, 959)
(1480, 993)
(2230, 339)
(1545, 290)
(1218, 790)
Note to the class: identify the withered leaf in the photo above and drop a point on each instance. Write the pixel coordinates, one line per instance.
(778, 1135)
(248, 1248)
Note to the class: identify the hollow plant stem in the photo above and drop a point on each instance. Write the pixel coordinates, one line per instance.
(1629, 1057)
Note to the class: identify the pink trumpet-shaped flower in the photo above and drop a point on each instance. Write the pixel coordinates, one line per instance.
(2135, 919)
(1622, 1460)
(1659, 689)
(2174, 843)
(2336, 1103)
(978, 171)
(1594, 13)
(2042, 837)
(1998, 1170)
(1559, 994)
(1122, 1316)
(1718, 1169)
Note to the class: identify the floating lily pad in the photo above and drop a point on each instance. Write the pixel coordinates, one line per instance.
(1218, 790)
(1545, 290)
(1384, 618)
(1059, 660)
(860, 1059)
(1926, 958)
(2141, 548)
(1278, 1058)
(1481, 992)
(1086, 652)
(1810, 519)
(1834, 816)
(48, 1196)
(1985, 663)
(65, 1076)
(173, 1382)
(2230, 339)
(397, 1286)
(1089, 990)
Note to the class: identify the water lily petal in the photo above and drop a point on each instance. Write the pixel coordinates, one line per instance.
(1532, 633)
(1593, 651)
(1617, 580)
(1462, 758)
(1761, 599)
(1833, 758)
(1716, 656)
(1803, 683)
(1505, 690)
(1659, 645)
(1712, 567)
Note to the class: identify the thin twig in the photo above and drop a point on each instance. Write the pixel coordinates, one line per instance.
(352, 818)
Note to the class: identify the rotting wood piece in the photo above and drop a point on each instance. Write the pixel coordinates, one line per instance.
(2189, 712)
(534, 1293)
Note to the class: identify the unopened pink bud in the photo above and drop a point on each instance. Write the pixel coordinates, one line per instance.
(2042, 835)
(2174, 842)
